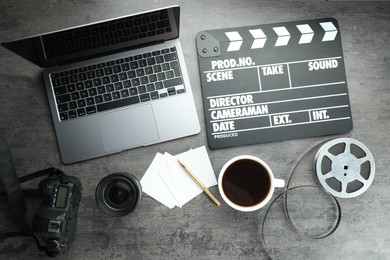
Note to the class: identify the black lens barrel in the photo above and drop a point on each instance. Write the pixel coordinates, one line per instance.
(118, 194)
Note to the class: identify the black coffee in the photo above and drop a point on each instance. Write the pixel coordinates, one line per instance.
(246, 182)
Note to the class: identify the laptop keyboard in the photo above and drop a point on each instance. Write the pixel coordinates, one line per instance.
(99, 87)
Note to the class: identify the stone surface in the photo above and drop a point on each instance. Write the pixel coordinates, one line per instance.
(200, 230)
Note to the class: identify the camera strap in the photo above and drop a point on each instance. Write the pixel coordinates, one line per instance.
(30, 193)
(10, 181)
(33, 193)
(16, 196)
(27, 232)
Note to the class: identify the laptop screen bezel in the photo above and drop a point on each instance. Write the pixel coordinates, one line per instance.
(32, 48)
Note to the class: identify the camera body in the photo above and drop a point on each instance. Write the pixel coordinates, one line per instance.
(54, 224)
(55, 221)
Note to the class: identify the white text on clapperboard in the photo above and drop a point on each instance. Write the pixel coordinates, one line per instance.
(225, 110)
(226, 64)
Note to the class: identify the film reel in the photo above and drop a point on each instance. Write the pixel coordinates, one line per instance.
(345, 167)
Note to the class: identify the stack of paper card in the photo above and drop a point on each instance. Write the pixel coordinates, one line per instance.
(166, 181)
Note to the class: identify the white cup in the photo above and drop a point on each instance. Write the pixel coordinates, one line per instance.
(237, 189)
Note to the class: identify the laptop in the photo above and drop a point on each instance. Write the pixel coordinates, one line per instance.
(116, 84)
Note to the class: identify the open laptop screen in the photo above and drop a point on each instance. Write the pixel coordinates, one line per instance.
(96, 39)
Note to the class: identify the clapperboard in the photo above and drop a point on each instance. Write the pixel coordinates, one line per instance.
(273, 82)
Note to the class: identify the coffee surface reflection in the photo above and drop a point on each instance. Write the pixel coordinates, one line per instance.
(246, 182)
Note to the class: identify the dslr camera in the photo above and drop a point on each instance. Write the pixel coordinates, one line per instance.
(54, 224)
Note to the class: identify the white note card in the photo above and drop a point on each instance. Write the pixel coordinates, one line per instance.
(167, 182)
(154, 185)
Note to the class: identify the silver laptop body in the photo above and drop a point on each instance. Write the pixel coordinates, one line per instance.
(118, 84)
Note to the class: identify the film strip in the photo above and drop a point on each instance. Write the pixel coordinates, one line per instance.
(348, 161)
(273, 82)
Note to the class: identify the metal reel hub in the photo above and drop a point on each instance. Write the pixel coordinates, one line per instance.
(345, 167)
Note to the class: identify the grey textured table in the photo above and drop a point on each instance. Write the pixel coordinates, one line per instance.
(200, 230)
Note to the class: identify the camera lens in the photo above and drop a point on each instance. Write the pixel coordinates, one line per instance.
(118, 194)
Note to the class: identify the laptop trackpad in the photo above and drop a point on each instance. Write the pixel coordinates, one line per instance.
(128, 128)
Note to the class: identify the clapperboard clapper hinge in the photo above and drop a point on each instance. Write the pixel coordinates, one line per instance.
(207, 45)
